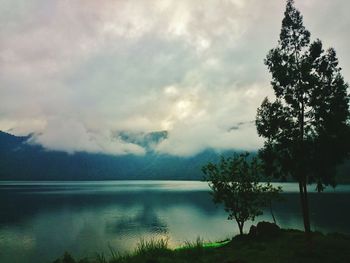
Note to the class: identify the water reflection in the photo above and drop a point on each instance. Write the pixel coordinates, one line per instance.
(42, 220)
(143, 221)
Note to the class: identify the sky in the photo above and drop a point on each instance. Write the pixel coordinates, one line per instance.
(76, 74)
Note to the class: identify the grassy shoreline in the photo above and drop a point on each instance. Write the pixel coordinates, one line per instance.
(289, 246)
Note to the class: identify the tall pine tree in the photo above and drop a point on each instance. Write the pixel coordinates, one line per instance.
(307, 126)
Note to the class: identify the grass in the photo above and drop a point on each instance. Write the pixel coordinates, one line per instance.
(290, 246)
(152, 247)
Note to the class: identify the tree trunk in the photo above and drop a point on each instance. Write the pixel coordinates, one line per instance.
(304, 205)
(273, 216)
(240, 226)
(307, 212)
(302, 176)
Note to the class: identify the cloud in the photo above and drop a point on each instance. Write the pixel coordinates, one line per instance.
(76, 73)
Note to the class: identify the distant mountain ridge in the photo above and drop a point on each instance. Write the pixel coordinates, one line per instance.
(23, 161)
(20, 160)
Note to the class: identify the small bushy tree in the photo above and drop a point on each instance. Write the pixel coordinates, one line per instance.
(236, 182)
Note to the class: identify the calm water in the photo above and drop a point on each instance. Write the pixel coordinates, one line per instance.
(41, 220)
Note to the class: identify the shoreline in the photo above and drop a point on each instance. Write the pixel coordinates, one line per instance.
(288, 245)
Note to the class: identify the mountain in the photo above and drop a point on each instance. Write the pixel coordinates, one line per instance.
(145, 140)
(20, 160)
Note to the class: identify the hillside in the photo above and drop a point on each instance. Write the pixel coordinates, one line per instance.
(20, 160)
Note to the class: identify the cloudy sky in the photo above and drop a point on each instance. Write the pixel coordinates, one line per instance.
(76, 73)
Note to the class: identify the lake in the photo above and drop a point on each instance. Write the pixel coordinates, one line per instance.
(41, 220)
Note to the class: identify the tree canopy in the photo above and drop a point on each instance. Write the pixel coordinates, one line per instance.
(307, 125)
(236, 182)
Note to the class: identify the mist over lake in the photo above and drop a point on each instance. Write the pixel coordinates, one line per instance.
(40, 220)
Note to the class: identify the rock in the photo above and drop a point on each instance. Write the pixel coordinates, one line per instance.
(267, 229)
(264, 229)
(253, 231)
